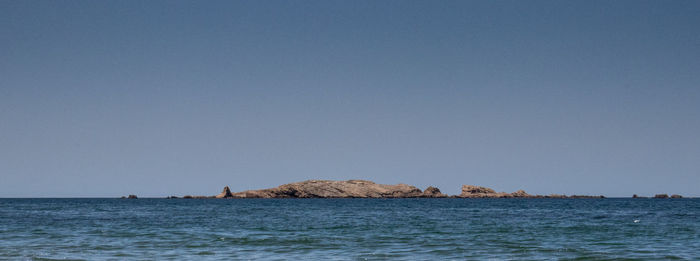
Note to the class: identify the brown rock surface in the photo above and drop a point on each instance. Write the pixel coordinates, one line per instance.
(586, 196)
(334, 189)
(433, 192)
(369, 189)
(470, 191)
(661, 196)
(521, 194)
(225, 194)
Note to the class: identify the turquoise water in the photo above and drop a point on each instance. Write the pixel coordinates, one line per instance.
(350, 229)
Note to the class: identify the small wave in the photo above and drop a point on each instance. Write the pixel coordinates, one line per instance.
(52, 259)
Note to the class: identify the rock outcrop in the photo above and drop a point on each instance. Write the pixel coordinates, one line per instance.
(433, 192)
(520, 194)
(470, 191)
(334, 189)
(676, 196)
(369, 189)
(225, 194)
(585, 196)
(661, 196)
(476, 190)
(197, 197)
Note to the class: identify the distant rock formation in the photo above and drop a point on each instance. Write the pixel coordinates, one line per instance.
(225, 194)
(666, 196)
(191, 197)
(586, 196)
(130, 197)
(369, 189)
(433, 192)
(470, 191)
(520, 194)
(334, 189)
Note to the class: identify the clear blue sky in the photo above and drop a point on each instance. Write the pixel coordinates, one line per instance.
(157, 98)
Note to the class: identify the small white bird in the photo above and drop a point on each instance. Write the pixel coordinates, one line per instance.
(636, 221)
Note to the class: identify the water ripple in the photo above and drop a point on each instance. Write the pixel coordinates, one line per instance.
(355, 229)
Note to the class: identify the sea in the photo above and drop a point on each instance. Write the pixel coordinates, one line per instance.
(350, 229)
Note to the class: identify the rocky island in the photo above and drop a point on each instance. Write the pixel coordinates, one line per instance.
(338, 189)
(469, 191)
(369, 189)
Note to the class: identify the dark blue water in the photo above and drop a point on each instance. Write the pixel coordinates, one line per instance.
(356, 229)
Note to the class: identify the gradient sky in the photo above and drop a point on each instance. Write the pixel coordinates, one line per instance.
(158, 98)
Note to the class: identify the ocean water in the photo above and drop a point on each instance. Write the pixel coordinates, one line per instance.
(350, 229)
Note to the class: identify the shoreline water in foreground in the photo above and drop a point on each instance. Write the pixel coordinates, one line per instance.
(350, 229)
